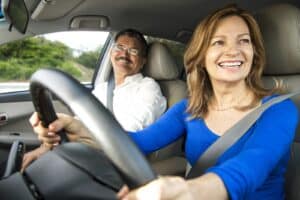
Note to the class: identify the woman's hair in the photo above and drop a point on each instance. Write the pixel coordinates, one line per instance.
(200, 89)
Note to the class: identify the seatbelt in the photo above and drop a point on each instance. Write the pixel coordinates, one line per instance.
(210, 156)
(110, 93)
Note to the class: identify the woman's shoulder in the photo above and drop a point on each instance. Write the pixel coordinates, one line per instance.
(286, 106)
(181, 103)
(285, 102)
(179, 106)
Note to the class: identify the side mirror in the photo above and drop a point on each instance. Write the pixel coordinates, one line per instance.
(17, 13)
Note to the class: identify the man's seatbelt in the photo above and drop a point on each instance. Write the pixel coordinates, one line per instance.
(210, 156)
(110, 93)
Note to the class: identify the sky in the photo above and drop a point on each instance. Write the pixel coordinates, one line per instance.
(85, 40)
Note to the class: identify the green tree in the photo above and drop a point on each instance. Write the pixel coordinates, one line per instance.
(21, 58)
(89, 58)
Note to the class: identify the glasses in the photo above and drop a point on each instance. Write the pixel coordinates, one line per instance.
(121, 48)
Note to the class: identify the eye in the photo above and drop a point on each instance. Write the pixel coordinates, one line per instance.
(134, 52)
(218, 43)
(245, 41)
(117, 47)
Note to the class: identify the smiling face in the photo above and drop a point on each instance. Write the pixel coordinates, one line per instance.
(126, 56)
(230, 53)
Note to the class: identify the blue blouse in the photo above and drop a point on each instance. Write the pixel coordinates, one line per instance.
(253, 168)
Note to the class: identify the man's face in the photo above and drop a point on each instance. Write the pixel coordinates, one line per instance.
(126, 56)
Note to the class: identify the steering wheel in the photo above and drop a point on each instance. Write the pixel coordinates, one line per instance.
(107, 132)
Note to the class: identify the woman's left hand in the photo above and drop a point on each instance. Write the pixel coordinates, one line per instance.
(163, 188)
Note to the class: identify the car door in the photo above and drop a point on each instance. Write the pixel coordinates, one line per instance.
(76, 53)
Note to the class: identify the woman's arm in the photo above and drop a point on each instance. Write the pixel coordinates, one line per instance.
(208, 186)
(168, 128)
(264, 150)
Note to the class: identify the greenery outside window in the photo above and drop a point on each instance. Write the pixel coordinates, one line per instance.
(76, 53)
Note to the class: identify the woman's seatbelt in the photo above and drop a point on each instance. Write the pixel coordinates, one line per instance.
(210, 156)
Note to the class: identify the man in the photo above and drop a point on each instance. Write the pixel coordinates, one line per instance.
(137, 100)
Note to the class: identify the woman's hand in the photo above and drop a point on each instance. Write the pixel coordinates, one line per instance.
(31, 156)
(74, 129)
(208, 186)
(163, 188)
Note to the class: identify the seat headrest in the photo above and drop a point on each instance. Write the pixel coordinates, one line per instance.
(160, 65)
(280, 26)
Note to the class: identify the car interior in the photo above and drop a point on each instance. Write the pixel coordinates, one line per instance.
(281, 30)
(280, 25)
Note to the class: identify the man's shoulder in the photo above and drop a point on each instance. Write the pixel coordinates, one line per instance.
(148, 82)
(148, 79)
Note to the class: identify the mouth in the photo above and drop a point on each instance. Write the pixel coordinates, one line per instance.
(230, 64)
(122, 59)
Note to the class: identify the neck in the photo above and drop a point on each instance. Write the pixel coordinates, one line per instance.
(119, 78)
(226, 97)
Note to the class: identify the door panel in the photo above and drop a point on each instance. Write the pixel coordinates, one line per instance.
(17, 108)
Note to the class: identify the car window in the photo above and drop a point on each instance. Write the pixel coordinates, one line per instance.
(74, 52)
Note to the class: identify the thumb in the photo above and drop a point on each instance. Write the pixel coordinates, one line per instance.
(63, 122)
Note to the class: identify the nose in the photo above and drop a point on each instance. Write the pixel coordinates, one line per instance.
(232, 49)
(124, 52)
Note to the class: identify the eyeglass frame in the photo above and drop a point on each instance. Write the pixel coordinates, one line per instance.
(121, 48)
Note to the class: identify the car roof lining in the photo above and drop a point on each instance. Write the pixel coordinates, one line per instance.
(155, 17)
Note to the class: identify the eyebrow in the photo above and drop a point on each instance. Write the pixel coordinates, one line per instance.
(240, 35)
(134, 47)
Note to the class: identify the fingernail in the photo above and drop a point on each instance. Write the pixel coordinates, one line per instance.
(51, 133)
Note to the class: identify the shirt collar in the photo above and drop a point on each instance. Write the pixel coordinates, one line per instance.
(132, 78)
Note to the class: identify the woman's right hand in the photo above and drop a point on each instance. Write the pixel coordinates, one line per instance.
(74, 129)
(48, 135)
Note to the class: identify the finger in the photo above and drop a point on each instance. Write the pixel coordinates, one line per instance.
(31, 156)
(50, 140)
(130, 196)
(27, 159)
(63, 121)
(25, 163)
(123, 191)
(51, 134)
(34, 120)
(40, 130)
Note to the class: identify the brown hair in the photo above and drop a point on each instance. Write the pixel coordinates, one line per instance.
(199, 85)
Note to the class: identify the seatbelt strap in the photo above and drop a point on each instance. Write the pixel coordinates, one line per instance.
(210, 156)
(110, 93)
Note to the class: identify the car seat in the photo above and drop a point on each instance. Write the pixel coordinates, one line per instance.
(280, 26)
(162, 67)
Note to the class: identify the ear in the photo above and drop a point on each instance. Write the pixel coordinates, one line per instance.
(144, 61)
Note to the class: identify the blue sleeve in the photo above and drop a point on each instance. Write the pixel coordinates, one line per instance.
(272, 136)
(168, 128)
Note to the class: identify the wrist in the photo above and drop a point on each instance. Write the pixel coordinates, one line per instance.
(208, 186)
(46, 146)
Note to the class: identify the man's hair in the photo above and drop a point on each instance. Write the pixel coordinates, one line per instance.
(137, 35)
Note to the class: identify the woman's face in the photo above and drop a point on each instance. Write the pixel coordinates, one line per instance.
(230, 53)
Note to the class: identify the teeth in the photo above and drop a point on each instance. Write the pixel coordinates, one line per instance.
(230, 64)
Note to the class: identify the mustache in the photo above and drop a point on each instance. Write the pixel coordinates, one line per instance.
(123, 58)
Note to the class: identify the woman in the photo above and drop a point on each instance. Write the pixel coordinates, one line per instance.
(224, 63)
